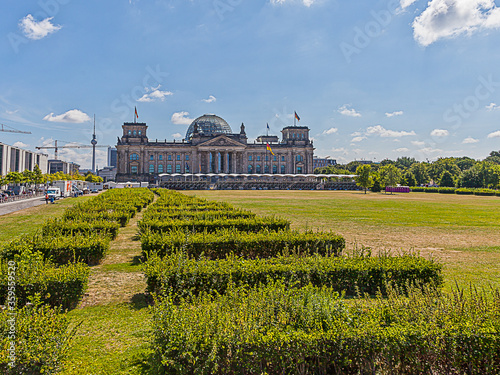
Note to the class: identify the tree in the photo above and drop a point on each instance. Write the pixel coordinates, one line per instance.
(38, 177)
(363, 177)
(376, 182)
(465, 163)
(390, 175)
(470, 179)
(352, 166)
(419, 170)
(494, 157)
(405, 162)
(437, 168)
(409, 179)
(446, 180)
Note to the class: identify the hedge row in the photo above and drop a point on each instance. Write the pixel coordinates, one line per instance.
(59, 227)
(87, 248)
(60, 286)
(178, 214)
(41, 338)
(275, 330)
(460, 191)
(223, 242)
(180, 276)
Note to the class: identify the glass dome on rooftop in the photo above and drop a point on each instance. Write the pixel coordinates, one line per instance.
(209, 125)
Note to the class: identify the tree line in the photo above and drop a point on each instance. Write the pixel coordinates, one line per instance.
(36, 177)
(460, 172)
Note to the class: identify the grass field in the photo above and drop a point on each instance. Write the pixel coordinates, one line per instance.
(113, 333)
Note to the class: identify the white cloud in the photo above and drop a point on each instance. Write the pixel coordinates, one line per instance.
(20, 144)
(381, 131)
(154, 94)
(406, 3)
(346, 111)
(210, 99)
(356, 134)
(451, 18)
(11, 112)
(494, 134)
(176, 135)
(469, 140)
(392, 114)
(74, 116)
(331, 131)
(402, 149)
(430, 150)
(358, 139)
(418, 143)
(342, 150)
(440, 133)
(307, 3)
(492, 107)
(181, 118)
(35, 30)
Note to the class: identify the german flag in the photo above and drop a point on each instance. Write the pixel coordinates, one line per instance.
(269, 149)
(297, 116)
(136, 115)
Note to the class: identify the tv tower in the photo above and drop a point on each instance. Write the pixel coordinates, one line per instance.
(93, 142)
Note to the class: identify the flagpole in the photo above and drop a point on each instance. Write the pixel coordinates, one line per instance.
(294, 118)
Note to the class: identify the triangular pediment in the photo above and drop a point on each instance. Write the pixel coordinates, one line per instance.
(221, 141)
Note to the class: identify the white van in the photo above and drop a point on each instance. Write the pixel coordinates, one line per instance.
(54, 192)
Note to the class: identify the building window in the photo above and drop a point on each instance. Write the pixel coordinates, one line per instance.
(275, 168)
(177, 168)
(134, 156)
(267, 158)
(129, 132)
(187, 157)
(187, 168)
(160, 168)
(133, 169)
(151, 168)
(258, 157)
(275, 158)
(298, 158)
(282, 158)
(169, 168)
(283, 169)
(135, 133)
(151, 157)
(257, 169)
(160, 157)
(266, 168)
(249, 157)
(299, 170)
(169, 157)
(140, 132)
(250, 168)
(178, 157)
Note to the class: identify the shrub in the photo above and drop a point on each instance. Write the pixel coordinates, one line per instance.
(262, 244)
(484, 192)
(276, 330)
(464, 191)
(431, 190)
(210, 226)
(70, 228)
(418, 189)
(41, 338)
(57, 286)
(446, 190)
(181, 277)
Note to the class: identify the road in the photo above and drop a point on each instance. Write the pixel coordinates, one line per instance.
(7, 208)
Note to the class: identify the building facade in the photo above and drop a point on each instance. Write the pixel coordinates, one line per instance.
(65, 167)
(112, 157)
(323, 162)
(15, 159)
(210, 146)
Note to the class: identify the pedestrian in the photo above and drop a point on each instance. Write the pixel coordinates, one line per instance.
(46, 199)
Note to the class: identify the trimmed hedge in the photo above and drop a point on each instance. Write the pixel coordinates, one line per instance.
(485, 192)
(276, 330)
(41, 338)
(181, 277)
(219, 244)
(464, 191)
(57, 286)
(71, 228)
(60, 249)
(446, 190)
(169, 214)
(247, 225)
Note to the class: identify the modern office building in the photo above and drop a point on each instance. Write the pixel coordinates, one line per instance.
(63, 166)
(112, 157)
(15, 159)
(323, 162)
(210, 146)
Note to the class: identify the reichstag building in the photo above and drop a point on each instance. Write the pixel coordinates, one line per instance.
(211, 147)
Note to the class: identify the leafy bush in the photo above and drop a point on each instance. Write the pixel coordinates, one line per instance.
(210, 226)
(484, 192)
(262, 244)
(41, 338)
(57, 286)
(276, 330)
(464, 191)
(417, 189)
(431, 190)
(446, 190)
(70, 228)
(179, 276)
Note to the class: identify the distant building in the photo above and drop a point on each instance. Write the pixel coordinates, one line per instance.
(63, 166)
(210, 146)
(112, 157)
(323, 162)
(364, 162)
(15, 159)
(107, 173)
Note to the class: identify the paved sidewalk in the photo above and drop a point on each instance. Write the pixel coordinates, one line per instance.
(7, 208)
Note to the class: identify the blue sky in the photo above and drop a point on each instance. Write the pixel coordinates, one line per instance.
(372, 79)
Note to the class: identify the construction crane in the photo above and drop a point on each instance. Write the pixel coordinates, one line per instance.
(56, 148)
(11, 129)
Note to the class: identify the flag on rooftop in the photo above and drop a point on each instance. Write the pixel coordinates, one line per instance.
(269, 149)
(297, 116)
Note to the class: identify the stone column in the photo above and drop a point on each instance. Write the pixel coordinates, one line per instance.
(234, 157)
